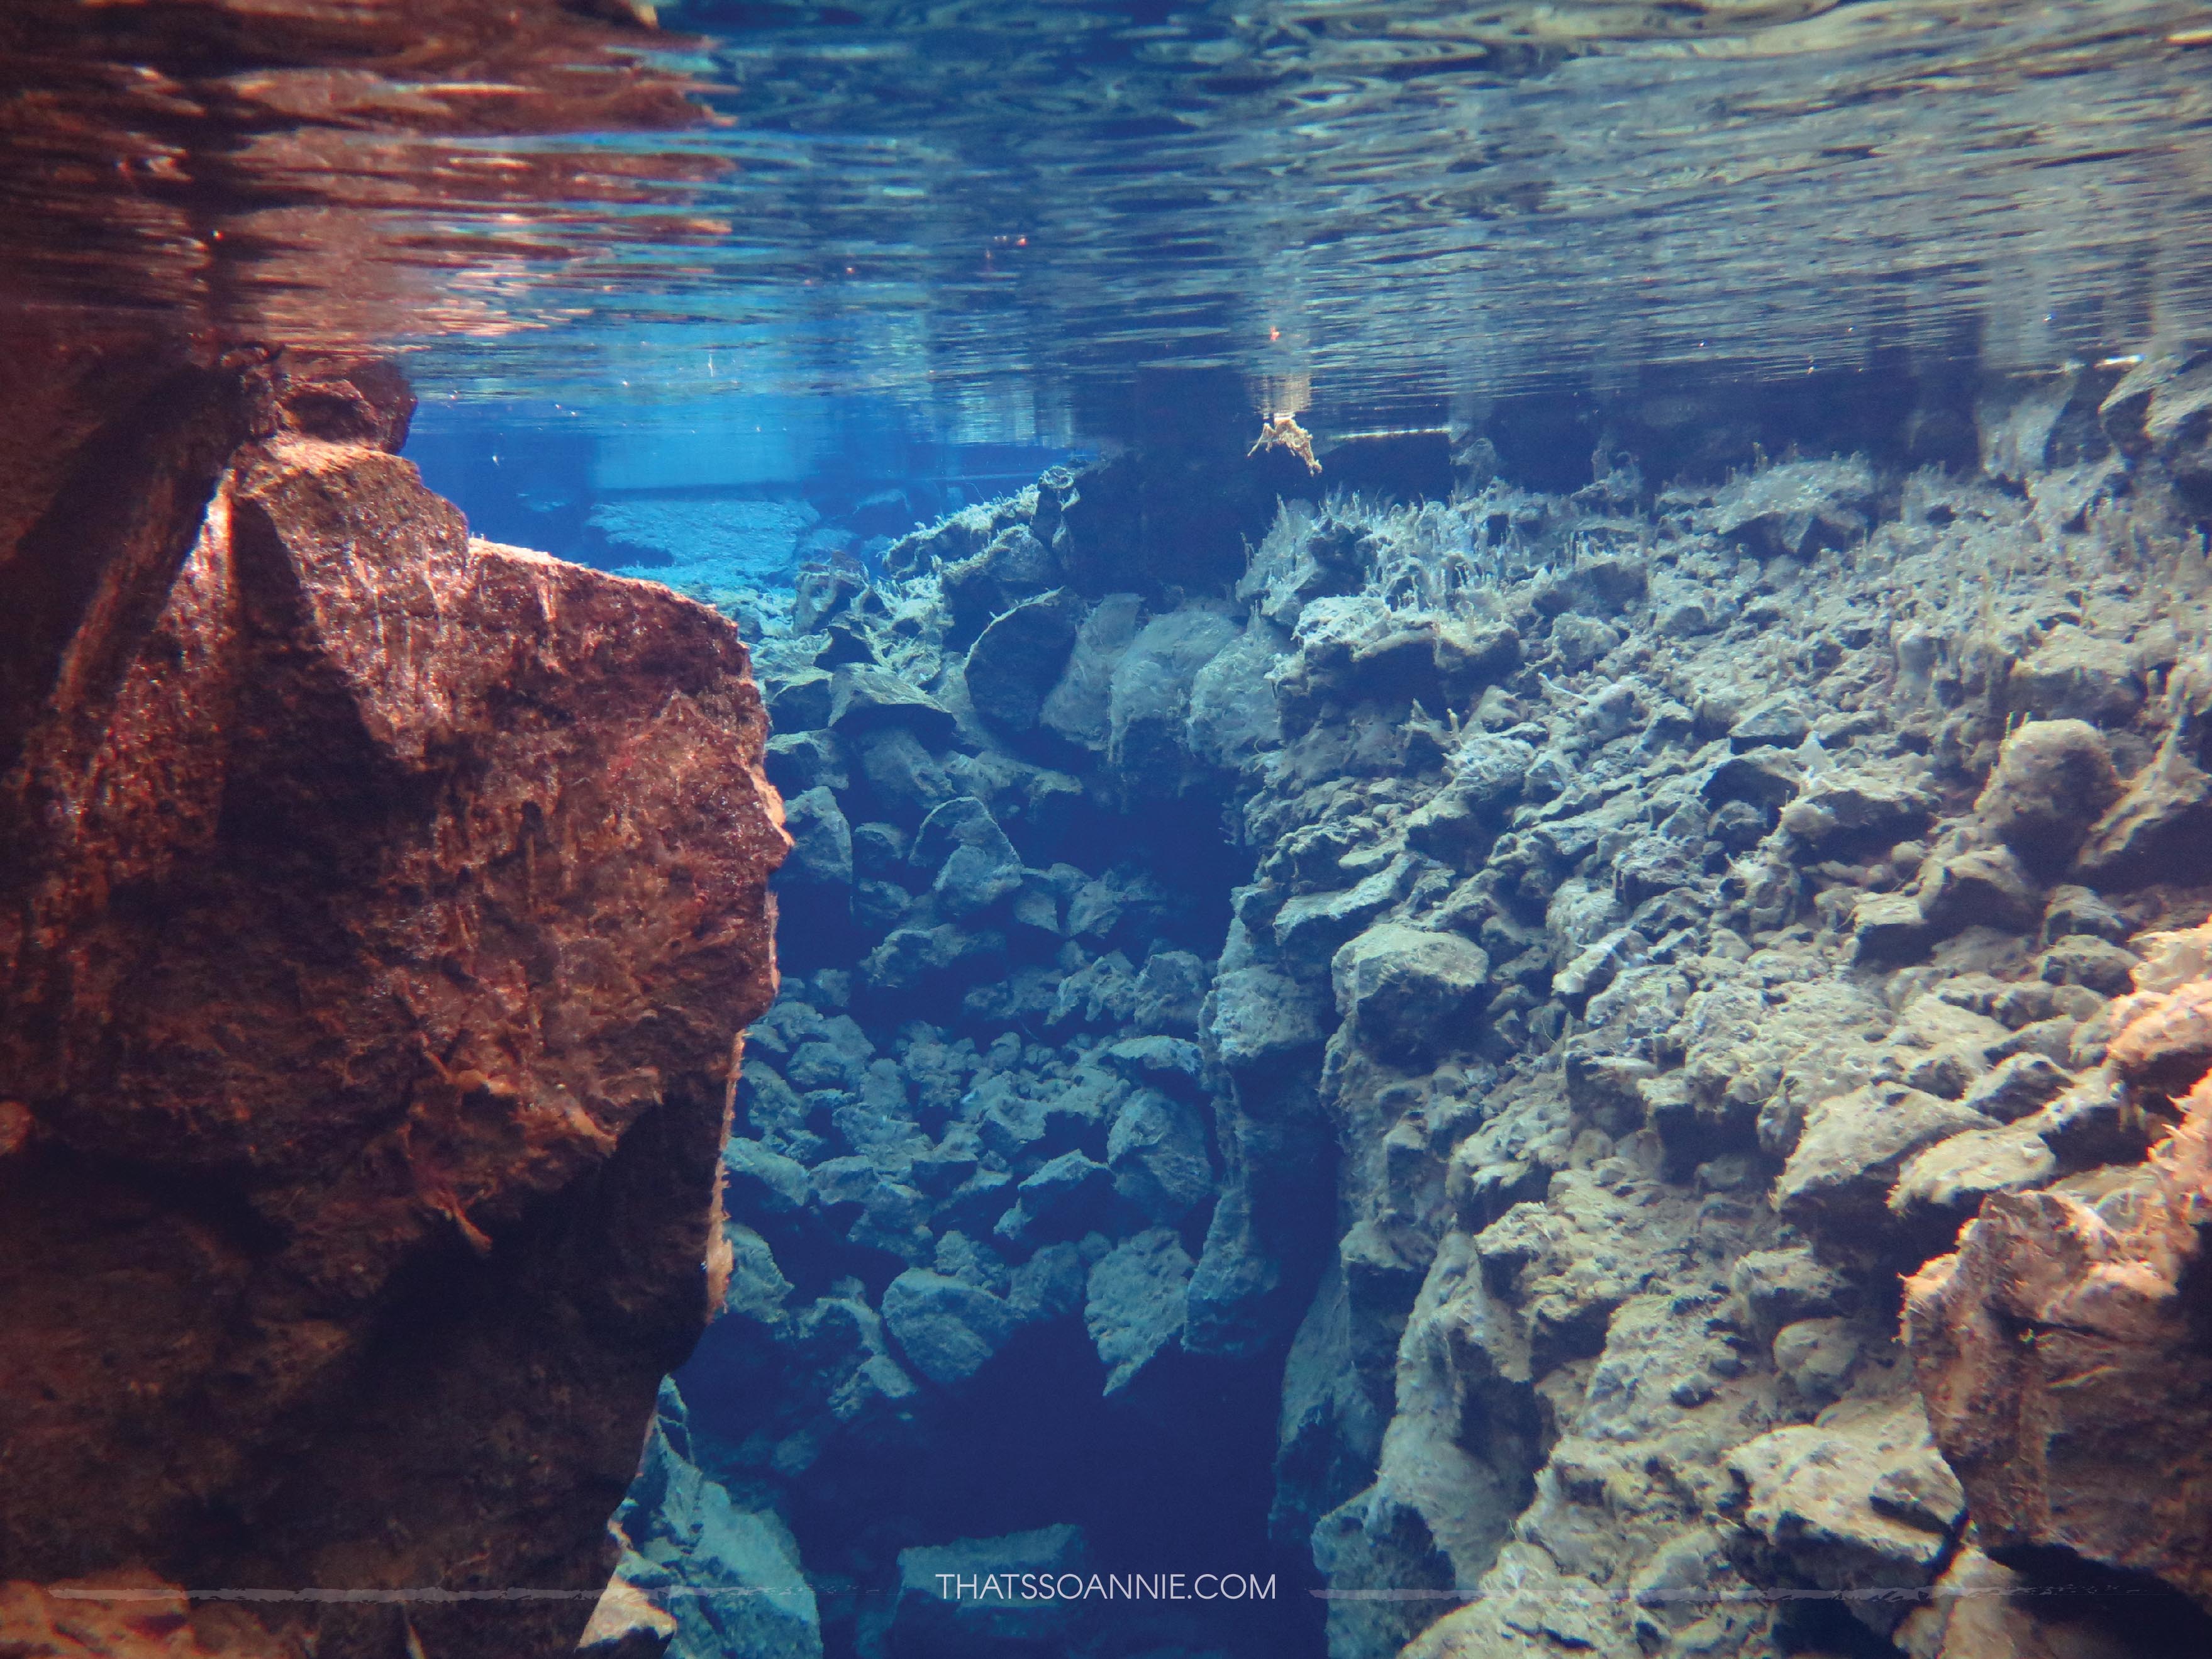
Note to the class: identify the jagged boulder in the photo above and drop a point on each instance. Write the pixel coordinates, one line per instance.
(1839, 1177)
(821, 841)
(1148, 710)
(2067, 1377)
(1134, 1308)
(1859, 1501)
(1157, 1150)
(2052, 778)
(1017, 659)
(1411, 993)
(1261, 1018)
(866, 699)
(947, 1329)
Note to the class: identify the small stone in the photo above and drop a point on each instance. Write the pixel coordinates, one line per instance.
(2017, 1085)
(2074, 675)
(1778, 721)
(2105, 968)
(2052, 778)
(1817, 1355)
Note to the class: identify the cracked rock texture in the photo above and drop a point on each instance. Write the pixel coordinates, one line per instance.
(1511, 990)
(2063, 1348)
(381, 908)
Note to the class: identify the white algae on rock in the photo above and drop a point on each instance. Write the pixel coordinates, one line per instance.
(1513, 990)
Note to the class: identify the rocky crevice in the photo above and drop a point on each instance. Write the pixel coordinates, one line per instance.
(1526, 976)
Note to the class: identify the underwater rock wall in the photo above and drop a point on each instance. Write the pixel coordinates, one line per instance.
(1509, 986)
(381, 907)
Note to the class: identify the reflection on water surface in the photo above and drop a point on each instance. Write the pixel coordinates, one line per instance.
(1001, 210)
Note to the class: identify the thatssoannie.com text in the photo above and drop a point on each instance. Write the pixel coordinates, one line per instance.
(1106, 1587)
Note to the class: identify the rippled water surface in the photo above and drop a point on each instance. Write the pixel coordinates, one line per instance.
(1000, 212)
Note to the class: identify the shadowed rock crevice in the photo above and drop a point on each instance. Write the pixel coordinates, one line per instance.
(1658, 916)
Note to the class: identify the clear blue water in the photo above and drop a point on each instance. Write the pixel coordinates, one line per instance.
(908, 257)
(994, 215)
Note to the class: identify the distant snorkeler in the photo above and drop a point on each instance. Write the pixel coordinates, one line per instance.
(1284, 432)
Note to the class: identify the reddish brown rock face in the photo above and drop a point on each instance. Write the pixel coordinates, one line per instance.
(2065, 1350)
(378, 911)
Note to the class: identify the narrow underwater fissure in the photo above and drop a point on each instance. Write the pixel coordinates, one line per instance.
(1406, 1042)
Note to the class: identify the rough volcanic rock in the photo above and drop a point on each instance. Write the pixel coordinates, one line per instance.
(381, 907)
(2052, 778)
(1135, 1305)
(2064, 1360)
(1410, 992)
(725, 1578)
(1016, 661)
(127, 1614)
(1857, 1500)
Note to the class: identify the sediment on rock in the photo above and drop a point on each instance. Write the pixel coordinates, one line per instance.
(1653, 922)
(382, 908)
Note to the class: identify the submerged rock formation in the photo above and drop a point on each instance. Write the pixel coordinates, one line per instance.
(2065, 1349)
(1509, 990)
(380, 909)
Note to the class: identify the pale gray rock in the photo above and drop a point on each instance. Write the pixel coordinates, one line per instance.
(821, 840)
(1261, 1018)
(947, 1329)
(1411, 993)
(2075, 676)
(1133, 1307)
(1017, 660)
(683, 1532)
(2017, 1085)
(1067, 1197)
(1234, 715)
(1149, 710)
(1157, 1150)
(2052, 778)
(2160, 829)
(867, 699)
(904, 779)
(1784, 1287)
(1943, 1186)
(799, 761)
(757, 1289)
(1797, 509)
(1838, 1180)
(802, 702)
(1859, 1500)
(1892, 798)
(1779, 722)
(1817, 1357)
(1170, 994)
(1310, 929)
(1079, 706)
